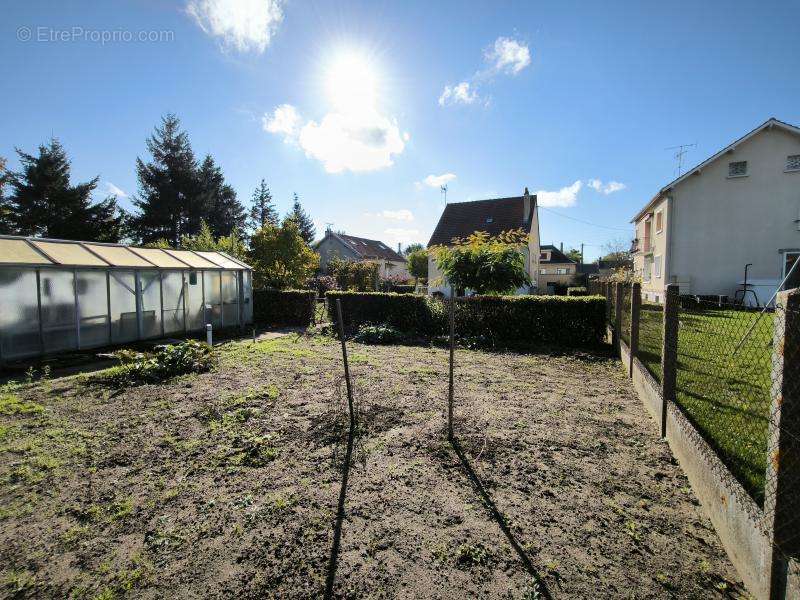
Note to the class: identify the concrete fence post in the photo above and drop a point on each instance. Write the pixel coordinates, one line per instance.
(607, 294)
(669, 352)
(618, 287)
(782, 488)
(636, 305)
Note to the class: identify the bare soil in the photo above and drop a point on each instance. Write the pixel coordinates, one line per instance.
(225, 484)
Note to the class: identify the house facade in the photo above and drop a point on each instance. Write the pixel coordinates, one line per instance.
(350, 247)
(556, 270)
(461, 219)
(739, 207)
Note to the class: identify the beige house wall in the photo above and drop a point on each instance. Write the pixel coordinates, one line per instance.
(552, 276)
(715, 224)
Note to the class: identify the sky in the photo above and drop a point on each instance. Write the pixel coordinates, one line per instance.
(365, 109)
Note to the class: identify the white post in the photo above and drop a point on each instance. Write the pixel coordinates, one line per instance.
(209, 335)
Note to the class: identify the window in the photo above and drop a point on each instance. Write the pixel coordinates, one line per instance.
(793, 162)
(193, 278)
(542, 271)
(648, 267)
(561, 271)
(737, 169)
(659, 222)
(657, 265)
(544, 256)
(789, 259)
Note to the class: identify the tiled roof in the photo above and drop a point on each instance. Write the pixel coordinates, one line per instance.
(462, 219)
(556, 256)
(370, 248)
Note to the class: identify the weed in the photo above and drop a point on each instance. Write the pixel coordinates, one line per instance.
(11, 404)
(471, 555)
(19, 583)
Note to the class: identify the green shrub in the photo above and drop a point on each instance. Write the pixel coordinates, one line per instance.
(167, 361)
(577, 291)
(378, 334)
(517, 322)
(525, 322)
(410, 313)
(283, 307)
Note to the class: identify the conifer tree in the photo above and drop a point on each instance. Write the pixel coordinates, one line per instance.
(217, 202)
(303, 221)
(43, 202)
(263, 211)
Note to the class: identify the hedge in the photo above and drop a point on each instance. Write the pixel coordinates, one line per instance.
(577, 291)
(410, 313)
(283, 307)
(524, 322)
(519, 322)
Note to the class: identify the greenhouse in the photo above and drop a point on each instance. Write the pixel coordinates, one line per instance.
(58, 295)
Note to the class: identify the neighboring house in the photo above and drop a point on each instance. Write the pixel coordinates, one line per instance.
(739, 207)
(587, 270)
(349, 247)
(461, 219)
(556, 270)
(606, 267)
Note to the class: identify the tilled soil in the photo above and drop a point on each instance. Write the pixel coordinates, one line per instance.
(225, 484)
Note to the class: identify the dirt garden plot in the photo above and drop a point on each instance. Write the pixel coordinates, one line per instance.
(225, 484)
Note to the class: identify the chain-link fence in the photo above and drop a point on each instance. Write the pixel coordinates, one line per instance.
(625, 314)
(734, 373)
(724, 382)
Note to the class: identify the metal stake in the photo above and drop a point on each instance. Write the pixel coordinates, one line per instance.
(452, 353)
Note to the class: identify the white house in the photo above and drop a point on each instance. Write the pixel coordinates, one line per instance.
(740, 207)
(461, 219)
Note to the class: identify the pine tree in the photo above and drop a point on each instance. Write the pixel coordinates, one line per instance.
(262, 211)
(5, 211)
(168, 201)
(44, 203)
(303, 221)
(217, 201)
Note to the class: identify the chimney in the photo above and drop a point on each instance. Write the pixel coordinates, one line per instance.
(562, 246)
(526, 206)
(398, 248)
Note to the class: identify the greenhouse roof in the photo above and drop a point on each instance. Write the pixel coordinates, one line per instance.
(15, 250)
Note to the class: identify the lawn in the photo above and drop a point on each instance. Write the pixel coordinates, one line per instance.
(726, 395)
(225, 484)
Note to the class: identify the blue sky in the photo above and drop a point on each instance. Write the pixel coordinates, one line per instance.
(374, 97)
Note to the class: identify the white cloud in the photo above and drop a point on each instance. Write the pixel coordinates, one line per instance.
(113, 190)
(341, 142)
(607, 188)
(394, 236)
(285, 120)
(566, 196)
(508, 56)
(244, 25)
(458, 94)
(436, 181)
(352, 142)
(398, 215)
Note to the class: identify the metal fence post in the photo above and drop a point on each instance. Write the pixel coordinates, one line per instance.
(669, 352)
(617, 315)
(782, 493)
(636, 305)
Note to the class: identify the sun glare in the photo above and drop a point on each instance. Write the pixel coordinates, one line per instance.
(351, 84)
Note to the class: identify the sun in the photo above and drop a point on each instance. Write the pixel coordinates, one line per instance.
(351, 83)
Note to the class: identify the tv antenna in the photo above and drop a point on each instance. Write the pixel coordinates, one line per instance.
(444, 192)
(682, 149)
(329, 226)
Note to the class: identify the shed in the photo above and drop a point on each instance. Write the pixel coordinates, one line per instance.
(62, 295)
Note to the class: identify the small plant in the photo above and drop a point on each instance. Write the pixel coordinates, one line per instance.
(471, 555)
(168, 361)
(378, 334)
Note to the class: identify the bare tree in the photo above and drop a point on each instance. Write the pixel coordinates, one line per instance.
(617, 249)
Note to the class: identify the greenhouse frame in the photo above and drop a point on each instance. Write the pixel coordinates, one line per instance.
(62, 295)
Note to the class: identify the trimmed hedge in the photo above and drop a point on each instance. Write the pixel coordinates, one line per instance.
(283, 307)
(524, 322)
(577, 291)
(410, 313)
(518, 322)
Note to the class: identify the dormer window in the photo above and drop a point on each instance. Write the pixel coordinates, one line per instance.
(793, 162)
(737, 168)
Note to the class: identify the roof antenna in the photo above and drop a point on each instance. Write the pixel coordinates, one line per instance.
(682, 149)
(328, 227)
(444, 192)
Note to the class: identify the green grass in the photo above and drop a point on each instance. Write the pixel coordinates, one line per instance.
(725, 395)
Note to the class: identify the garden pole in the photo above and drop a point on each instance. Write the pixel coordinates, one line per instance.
(636, 305)
(337, 531)
(782, 487)
(452, 352)
(669, 352)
